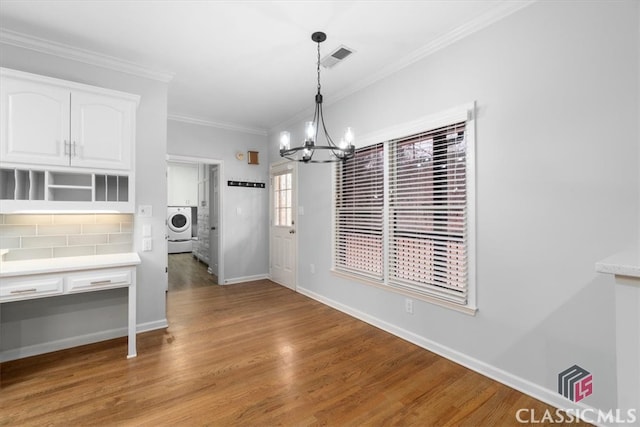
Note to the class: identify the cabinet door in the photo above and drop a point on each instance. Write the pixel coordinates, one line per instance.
(102, 131)
(182, 184)
(34, 122)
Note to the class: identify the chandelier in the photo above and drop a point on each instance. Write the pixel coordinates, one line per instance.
(309, 148)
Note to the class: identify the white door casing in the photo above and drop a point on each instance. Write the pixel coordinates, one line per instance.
(283, 218)
(214, 213)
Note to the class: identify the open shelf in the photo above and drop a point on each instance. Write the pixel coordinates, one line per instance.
(29, 186)
(111, 188)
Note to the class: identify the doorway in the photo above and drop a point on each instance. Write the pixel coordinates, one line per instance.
(203, 262)
(282, 233)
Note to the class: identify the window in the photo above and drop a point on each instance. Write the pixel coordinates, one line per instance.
(427, 210)
(402, 217)
(282, 201)
(359, 204)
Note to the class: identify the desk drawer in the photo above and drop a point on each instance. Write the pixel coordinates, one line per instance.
(15, 289)
(97, 280)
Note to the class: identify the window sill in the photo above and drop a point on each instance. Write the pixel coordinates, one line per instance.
(442, 303)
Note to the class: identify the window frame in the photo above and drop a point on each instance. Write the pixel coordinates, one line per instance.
(387, 136)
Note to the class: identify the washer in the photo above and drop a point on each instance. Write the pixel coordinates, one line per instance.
(179, 229)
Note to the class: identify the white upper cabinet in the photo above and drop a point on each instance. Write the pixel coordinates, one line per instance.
(48, 121)
(182, 184)
(34, 122)
(101, 131)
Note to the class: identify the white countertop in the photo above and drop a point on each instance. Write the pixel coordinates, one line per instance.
(621, 264)
(54, 265)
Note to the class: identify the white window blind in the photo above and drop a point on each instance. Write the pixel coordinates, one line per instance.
(358, 222)
(404, 210)
(427, 249)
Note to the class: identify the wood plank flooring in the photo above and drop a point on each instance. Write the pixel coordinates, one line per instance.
(253, 354)
(185, 272)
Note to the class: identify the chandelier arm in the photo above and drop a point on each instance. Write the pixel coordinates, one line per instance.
(326, 133)
(316, 119)
(290, 154)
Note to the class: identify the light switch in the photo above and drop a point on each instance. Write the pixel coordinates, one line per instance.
(147, 244)
(146, 230)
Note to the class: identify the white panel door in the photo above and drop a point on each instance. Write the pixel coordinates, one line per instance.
(102, 131)
(283, 245)
(34, 122)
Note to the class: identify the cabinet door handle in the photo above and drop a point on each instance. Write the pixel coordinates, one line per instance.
(75, 153)
(24, 291)
(66, 152)
(101, 282)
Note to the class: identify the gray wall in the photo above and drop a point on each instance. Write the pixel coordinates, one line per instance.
(556, 86)
(87, 315)
(245, 233)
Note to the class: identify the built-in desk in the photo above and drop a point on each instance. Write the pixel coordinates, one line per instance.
(30, 279)
(625, 267)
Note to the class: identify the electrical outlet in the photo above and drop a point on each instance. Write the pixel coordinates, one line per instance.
(312, 268)
(408, 305)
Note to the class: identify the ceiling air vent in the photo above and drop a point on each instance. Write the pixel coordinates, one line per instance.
(337, 56)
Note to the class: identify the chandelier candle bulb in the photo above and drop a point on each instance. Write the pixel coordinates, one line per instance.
(306, 154)
(348, 136)
(285, 140)
(310, 130)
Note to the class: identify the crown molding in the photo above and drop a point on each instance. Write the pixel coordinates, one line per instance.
(505, 9)
(49, 47)
(219, 125)
(502, 11)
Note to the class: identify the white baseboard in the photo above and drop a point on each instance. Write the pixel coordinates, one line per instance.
(521, 384)
(235, 280)
(152, 326)
(47, 347)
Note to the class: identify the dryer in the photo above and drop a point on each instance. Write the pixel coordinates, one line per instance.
(179, 229)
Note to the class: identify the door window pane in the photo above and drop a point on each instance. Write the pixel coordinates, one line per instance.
(282, 200)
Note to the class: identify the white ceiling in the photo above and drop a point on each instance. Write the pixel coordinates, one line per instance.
(251, 64)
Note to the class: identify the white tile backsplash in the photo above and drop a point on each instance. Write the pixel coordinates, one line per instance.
(53, 236)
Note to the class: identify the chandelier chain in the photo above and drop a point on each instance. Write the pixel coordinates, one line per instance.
(318, 69)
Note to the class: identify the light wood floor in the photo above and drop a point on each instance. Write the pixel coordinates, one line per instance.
(253, 354)
(185, 271)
